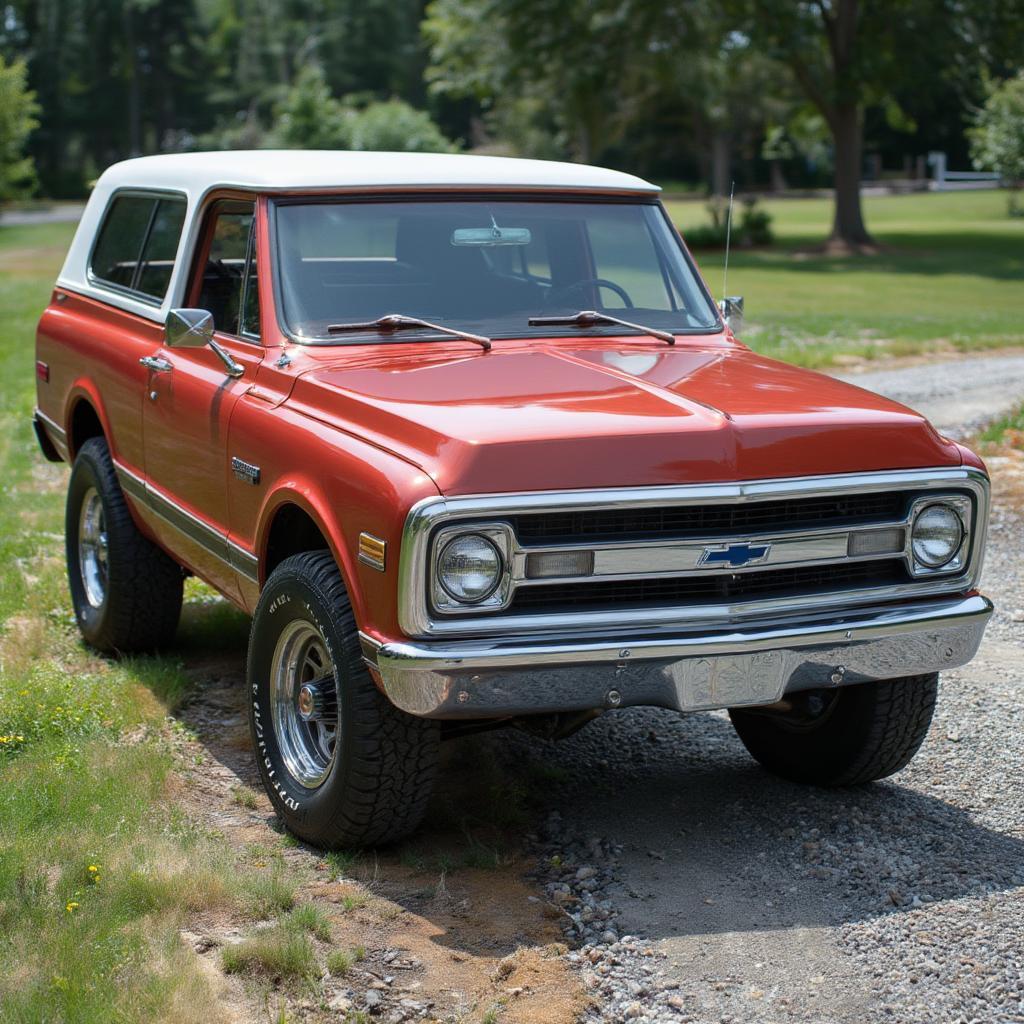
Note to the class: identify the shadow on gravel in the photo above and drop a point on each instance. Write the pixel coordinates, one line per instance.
(712, 843)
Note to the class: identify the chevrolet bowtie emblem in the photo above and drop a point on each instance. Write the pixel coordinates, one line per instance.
(734, 555)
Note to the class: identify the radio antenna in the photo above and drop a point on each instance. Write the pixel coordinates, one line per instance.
(728, 237)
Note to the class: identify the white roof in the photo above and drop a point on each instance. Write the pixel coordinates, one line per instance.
(282, 169)
(276, 170)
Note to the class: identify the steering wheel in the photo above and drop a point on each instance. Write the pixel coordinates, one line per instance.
(598, 282)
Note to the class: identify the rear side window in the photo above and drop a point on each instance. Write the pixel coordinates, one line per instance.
(137, 243)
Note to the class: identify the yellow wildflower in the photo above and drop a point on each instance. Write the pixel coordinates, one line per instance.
(71, 907)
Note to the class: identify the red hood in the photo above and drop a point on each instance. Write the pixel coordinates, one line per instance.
(572, 414)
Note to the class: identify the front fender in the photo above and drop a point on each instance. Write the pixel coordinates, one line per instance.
(343, 483)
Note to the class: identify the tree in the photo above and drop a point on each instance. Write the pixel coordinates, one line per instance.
(395, 126)
(997, 135)
(567, 62)
(847, 55)
(310, 117)
(18, 109)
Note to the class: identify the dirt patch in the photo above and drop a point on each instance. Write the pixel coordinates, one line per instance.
(1005, 463)
(446, 926)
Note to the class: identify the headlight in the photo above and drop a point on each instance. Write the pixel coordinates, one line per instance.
(469, 568)
(937, 535)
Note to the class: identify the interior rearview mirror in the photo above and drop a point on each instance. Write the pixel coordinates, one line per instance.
(188, 328)
(732, 312)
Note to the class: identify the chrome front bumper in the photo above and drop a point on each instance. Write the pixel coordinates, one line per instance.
(499, 678)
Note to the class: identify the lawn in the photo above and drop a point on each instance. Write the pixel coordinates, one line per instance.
(950, 275)
(98, 866)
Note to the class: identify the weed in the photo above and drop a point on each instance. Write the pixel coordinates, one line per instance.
(307, 917)
(267, 894)
(245, 797)
(280, 953)
(340, 961)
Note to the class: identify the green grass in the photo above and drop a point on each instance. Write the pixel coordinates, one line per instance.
(279, 953)
(99, 867)
(341, 961)
(1012, 422)
(282, 952)
(950, 274)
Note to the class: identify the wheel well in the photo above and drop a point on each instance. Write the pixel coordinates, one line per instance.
(292, 531)
(85, 423)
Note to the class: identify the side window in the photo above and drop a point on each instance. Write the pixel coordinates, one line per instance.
(161, 248)
(137, 243)
(228, 286)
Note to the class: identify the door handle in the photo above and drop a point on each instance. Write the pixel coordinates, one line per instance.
(156, 364)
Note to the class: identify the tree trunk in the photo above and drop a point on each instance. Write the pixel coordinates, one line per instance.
(720, 153)
(778, 176)
(848, 230)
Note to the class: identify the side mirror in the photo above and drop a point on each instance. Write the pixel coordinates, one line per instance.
(193, 328)
(732, 312)
(188, 328)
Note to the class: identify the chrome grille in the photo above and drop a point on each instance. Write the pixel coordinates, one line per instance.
(707, 520)
(688, 554)
(684, 591)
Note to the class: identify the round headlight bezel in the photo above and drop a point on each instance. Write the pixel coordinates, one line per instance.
(453, 592)
(935, 564)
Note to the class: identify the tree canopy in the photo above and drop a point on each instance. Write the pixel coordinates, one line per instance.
(800, 92)
(18, 109)
(997, 136)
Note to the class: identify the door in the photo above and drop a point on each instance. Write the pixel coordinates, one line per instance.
(191, 395)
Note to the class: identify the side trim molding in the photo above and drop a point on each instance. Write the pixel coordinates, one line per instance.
(212, 541)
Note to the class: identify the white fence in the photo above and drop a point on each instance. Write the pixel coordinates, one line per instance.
(945, 180)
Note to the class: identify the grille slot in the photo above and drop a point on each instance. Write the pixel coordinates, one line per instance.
(710, 521)
(683, 591)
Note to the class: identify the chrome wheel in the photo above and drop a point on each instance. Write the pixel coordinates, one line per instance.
(304, 703)
(93, 548)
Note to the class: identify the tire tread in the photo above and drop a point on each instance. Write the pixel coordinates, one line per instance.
(145, 584)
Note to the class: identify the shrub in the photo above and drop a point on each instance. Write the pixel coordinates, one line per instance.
(752, 227)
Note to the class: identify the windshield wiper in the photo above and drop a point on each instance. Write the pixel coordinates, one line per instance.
(399, 322)
(589, 317)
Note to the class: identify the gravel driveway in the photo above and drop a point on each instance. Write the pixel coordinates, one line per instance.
(703, 889)
(957, 396)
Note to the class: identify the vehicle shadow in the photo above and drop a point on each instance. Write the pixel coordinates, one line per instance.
(710, 843)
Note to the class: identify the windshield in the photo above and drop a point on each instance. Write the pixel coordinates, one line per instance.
(485, 266)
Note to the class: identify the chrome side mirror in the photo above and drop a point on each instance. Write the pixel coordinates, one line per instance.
(732, 312)
(188, 328)
(193, 328)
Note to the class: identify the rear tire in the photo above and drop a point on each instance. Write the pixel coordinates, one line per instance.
(843, 737)
(126, 592)
(342, 766)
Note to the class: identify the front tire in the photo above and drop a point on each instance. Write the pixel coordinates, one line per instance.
(843, 737)
(342, 766)
(126, 592)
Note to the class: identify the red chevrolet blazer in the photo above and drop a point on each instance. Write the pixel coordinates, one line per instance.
(472, 443)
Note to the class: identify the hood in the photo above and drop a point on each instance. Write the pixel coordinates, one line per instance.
(614, 413)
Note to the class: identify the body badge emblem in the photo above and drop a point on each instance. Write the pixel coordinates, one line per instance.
(245, 471)
(735, 556)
